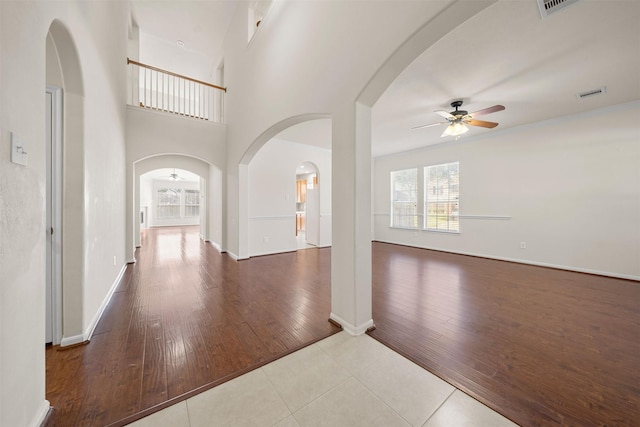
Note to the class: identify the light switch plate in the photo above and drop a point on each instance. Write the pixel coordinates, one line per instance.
(18, 150)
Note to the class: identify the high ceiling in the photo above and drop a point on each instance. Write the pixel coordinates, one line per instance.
(200, 24)
(505, 55)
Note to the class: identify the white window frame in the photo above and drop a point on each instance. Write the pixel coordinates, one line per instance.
(442, 197)
(401, 215)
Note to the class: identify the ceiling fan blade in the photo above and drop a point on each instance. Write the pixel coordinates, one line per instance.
(487, 110)
(444, 114)
(481, 123)
(427, 126)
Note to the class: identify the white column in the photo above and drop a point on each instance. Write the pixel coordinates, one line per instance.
(351, 218)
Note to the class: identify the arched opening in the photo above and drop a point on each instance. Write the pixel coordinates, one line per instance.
(273, 222)
(186, 184)
(307, 205)
(65, 188)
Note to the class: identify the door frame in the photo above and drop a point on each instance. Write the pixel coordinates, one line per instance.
(54, 216)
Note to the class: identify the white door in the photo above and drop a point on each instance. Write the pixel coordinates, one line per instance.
(53, 231)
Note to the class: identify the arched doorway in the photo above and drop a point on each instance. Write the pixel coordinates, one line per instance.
(307, 205)
(209, 186)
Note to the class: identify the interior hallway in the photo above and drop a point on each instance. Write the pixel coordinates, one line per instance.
(183, 319)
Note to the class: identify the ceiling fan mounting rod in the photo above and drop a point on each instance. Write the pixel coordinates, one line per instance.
(458, 113)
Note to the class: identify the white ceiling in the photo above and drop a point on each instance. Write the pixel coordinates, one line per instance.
(509, 55)
(505, 55)
(202, 25)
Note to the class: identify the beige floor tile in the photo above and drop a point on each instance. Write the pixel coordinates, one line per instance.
(290, 421)
(348, 405)
(173, 416)
(304, 376)
(461, 410)
(411, 391)
(249, 400)
(349, 351)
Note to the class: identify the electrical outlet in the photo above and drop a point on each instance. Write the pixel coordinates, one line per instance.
(114, 260)
(523, 245)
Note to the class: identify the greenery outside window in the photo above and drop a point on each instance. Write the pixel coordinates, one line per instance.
(442, 197)
(191, 203)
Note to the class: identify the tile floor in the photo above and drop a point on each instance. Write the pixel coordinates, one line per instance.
(339, 381)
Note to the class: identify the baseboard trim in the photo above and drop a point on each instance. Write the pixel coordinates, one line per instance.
(88, 333)
(72, 340)
(521, 261)
(353, 330)
(94, 322)
(41, 415)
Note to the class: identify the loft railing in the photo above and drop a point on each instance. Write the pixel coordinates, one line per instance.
(158, 89)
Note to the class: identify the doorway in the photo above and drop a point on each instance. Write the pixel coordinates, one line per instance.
(307, 206)
(53, 135)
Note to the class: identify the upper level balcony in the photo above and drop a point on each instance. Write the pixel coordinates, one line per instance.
(161, 90)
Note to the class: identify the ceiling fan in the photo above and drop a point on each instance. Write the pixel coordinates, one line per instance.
(173, 176)
(459, 119)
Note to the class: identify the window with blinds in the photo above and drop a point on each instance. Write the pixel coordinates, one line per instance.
(191, 203)
(442, 197)
(168, 203)
(404, 198)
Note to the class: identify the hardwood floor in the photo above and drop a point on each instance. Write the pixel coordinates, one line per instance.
(540, 346)
(183, 319)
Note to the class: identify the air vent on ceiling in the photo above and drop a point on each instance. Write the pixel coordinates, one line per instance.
(547, 7)
(593, 92)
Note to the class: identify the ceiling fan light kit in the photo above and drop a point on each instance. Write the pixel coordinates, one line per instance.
(459, 119)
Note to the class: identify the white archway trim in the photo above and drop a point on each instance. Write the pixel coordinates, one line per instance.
(275, 130)
(427, 35)
(243, 179)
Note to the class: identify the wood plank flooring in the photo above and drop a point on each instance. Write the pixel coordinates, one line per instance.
(183, 319)
(541, 346)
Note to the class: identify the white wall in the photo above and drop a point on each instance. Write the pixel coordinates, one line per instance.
(98, 30)
(294, 67)
(272, 195)
(151, 134)
(570, 186)
(171, 57)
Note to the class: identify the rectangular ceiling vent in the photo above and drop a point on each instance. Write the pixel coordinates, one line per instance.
(592, 92)
(547, 7)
